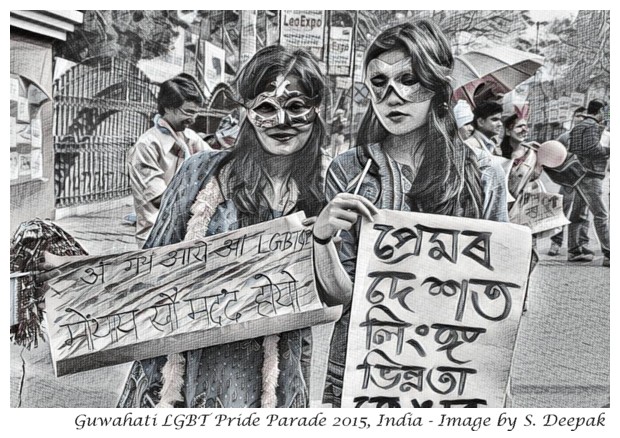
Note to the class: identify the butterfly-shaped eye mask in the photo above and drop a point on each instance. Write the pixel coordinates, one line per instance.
(281, 106)
(381, 76)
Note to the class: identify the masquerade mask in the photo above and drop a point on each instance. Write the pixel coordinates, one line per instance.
(381, 76)
(281, 106)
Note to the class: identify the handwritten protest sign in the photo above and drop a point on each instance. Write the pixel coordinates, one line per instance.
(243, 284)
(539, 210)
(435, 311)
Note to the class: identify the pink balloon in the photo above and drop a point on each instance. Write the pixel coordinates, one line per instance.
(551, 154)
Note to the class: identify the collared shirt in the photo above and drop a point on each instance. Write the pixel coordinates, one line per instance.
(481, 141)
(152, 162)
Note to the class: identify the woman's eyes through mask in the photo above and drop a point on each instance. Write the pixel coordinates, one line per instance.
(379, 80)
(296, 107)
(266, 109)
(408, 79)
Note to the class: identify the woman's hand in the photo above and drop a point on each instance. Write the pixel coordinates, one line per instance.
(341, 213)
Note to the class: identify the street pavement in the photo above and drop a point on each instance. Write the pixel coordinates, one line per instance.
(561, 360)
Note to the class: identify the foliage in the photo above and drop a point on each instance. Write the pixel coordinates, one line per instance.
(582, 49)
(133, 35)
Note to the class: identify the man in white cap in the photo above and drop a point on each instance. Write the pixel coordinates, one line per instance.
(464, 118)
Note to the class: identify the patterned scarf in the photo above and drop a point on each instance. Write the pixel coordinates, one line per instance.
(173, 371)
(28, 244)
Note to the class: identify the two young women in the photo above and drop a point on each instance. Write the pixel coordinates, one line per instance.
(418, 163)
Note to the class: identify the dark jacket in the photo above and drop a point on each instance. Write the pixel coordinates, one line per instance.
(585, 143)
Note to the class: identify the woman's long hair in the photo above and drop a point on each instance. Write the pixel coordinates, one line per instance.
(505, 145)
(448, 181)
(247, 175)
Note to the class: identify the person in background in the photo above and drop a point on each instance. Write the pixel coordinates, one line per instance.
(227, 130)
(160, 151)
(488, 126)
(464, 118)
(568, 195)
(585, 143)
(513, 147)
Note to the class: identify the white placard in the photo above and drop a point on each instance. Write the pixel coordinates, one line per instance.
(23, 113)
(36, 164)
(304, 29)
(35, 133)
(435, 311)
(14, 165)
(243, 284)
(24, 165)
(13, 132)
(339, 55)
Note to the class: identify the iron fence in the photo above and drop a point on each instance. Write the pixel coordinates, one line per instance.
(101, 107)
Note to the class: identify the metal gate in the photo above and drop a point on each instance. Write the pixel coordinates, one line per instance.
(101, 108)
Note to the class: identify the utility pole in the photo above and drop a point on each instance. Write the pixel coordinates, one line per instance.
(353, 52)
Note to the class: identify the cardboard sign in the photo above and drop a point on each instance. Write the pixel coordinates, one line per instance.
(244, 284)
(435, 311)
(538, 210)
(339, 55)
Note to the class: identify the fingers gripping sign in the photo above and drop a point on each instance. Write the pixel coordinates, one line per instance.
(341, 213)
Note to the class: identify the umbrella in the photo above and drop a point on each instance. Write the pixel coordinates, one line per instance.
(492, 71)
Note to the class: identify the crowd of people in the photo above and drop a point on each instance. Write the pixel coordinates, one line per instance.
(415, 151)
(489, 129)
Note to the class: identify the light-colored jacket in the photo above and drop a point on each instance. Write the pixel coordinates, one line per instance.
(152, 162)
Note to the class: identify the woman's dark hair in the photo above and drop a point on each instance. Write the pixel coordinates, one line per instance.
(174, 92)
(505, 145)
(448, 181)
(247, 176)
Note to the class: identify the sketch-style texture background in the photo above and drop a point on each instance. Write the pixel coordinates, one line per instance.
(83, 88)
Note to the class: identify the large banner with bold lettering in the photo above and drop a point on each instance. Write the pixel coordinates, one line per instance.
(244, 284)
(435, 311)
(339, 54)
(303, 29)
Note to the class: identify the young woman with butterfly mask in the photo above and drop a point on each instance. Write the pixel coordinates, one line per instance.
(272, 171)
(415, 161)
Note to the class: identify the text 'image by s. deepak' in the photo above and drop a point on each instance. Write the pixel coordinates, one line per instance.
(310, 209)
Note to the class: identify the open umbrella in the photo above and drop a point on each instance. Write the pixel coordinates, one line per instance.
(492, 71)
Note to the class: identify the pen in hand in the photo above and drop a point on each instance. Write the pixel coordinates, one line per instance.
(359, 184)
